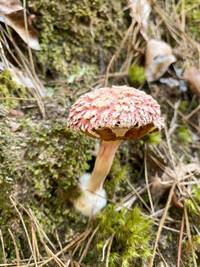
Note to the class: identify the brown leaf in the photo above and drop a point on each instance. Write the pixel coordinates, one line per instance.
(176, 202)
(140, 11)
(16, 21)
(192, 75)
(16, 113)
(9, 6)
(158, 58)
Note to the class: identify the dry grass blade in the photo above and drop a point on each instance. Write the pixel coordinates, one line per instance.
(79, 239)
(180, 241)
(16, 249)
(39, 228)
(71, 259)
(36, 253)
(59, 243)
(18, 98)
(162, 258)
(138, 195)
(118, 51)
(189, 235)
(167, 204)
(88, 245)
(107, 71)
(109, 249)
(25, 229)
(38, 91)
(3, 248)
(182, 115)
(147, 183)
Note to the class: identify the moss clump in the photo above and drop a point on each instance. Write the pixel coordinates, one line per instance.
(184, 135)
(137, 75)
(73, 34)
(40, 164)
(155, 138)
(9, 87)
(132, 237)
(192, 18)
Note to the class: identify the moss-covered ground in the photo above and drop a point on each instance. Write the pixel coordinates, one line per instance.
(41, 159)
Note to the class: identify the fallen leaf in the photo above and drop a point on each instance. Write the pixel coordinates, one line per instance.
(192, 76)
(140, 11)
(158, 58)
(176, 202)
(16, 113)
(9, 6)
(16, 21)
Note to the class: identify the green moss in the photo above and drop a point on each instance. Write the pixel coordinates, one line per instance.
(137, 75)
(9, 87)
(73, 34)
(184, 134)
(192, 18)
(132, 237)
(191, 205)
(154, 138)
(41, 164)
(187, 251)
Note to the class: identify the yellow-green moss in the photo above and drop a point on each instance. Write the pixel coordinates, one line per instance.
(41, 164)
(73, 34)
(136, 75)
(132, 237)
(9, 87)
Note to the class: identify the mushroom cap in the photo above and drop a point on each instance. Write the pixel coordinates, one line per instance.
(117, 113)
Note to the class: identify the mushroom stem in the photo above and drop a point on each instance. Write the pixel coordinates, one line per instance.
(103, 164)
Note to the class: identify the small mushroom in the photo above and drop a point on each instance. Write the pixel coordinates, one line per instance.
(111, 114)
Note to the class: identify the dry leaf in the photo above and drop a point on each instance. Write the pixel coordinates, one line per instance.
(192, 75)
(16, 21)
(140, 11)
(9, 6)
(158, 58)
(16, 113)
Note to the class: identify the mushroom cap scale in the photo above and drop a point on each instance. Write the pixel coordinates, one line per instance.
(117, 113)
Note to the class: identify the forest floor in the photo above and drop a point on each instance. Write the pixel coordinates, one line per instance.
(153, 189)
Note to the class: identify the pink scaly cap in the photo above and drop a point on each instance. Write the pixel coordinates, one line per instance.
(117, 113)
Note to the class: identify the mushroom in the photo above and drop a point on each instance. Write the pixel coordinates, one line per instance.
(110, 114)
